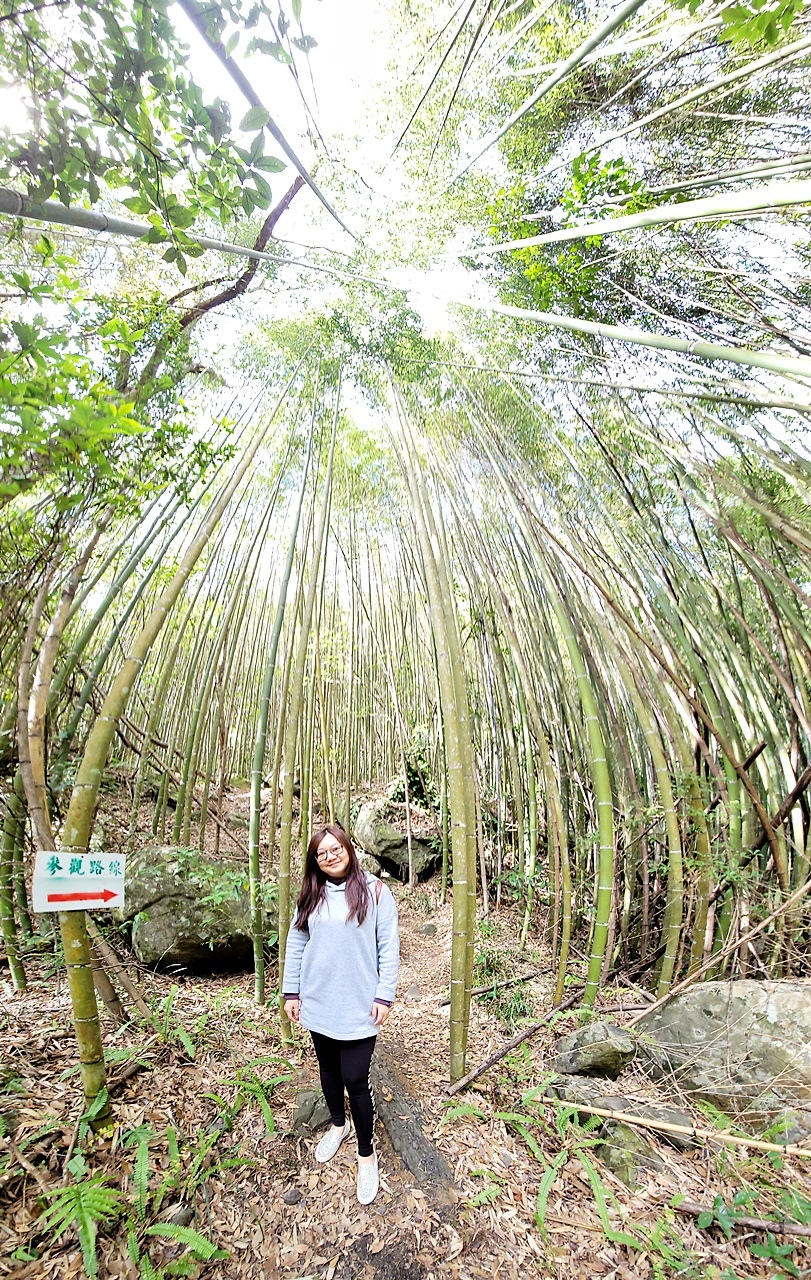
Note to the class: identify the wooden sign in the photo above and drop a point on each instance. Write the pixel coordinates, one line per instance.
(78, 881)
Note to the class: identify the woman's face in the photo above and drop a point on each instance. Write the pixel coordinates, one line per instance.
(333, 858)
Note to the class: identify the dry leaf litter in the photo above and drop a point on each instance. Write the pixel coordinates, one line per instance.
(319, 1230)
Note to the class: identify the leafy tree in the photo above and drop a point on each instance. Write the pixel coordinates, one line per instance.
(115, 109)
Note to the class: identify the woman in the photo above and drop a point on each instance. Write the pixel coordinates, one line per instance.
(340, 975)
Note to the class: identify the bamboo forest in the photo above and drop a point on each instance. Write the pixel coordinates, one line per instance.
(405, 414)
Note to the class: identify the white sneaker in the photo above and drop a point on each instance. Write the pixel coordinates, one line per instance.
(330, 1143)
(368, 1182)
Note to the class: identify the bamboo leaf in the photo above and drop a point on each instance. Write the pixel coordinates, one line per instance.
(254, 119)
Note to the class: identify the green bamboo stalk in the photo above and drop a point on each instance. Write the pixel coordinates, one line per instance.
(79, 818)
(592, 42)
(674, 905)
(113, 593)
(458, 752)
(704, 866)
(782, 55)
(293, 720)
(774, 195)
(11, 823)
(527, 864)
(20, 891)
(790, 366)
(260, 745)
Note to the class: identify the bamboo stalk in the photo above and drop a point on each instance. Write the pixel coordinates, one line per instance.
(260, 745)
(725, 951)
(712, 1135)
(617, 19)
(773, 195)
(293, 721)
(791, 366)
(79, 818)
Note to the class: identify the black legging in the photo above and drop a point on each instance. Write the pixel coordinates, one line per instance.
(348, 1063)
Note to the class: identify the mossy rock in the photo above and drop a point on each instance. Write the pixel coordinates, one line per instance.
(187, 912)
(743, 1046)
(628, 1154)
(598, 1049)
(390, 846)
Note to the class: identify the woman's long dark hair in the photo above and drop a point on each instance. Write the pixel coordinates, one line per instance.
(314, 886)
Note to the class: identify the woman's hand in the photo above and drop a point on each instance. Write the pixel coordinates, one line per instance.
(293, 1009)
(380, 1013)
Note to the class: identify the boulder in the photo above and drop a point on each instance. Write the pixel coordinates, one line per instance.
(627, 1153)
(376, 836)
(312, 1113)
(669, 1115)
(370, 863)
(581, 1091)
(187, 911)
(598, 1049)
(572, 1088)
(744, 1046)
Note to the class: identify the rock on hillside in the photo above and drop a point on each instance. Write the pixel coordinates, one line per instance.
(744, 1046)
(187, 911)
(383, 841)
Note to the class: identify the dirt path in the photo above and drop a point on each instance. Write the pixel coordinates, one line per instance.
(261, 1196)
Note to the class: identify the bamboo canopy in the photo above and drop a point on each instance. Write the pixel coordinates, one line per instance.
(536, 577)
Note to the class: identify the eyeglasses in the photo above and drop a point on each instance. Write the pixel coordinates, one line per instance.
(327, 855)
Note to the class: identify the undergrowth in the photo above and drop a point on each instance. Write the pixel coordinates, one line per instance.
(552, 1132)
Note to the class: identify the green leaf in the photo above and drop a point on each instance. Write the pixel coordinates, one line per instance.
(202, 1247)
(705, 1219)
(270, 164)
(232, 42)
(263, 187)
(180, 216)
(137, 204)
(545, 1188)
(273, 50)
(296, 10)
(461, 1111)
(254, 119)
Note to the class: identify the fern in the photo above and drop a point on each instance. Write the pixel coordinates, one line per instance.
(545, 1188)
(140, 1138)
(85, 1203)
(204, 1146)
(487, 1193)
(461, 1111)
(796, 1206)
(601, 1200)
(520, 1123)
(185, 1039)
(146, 1271)
(202, 1248)
(256, 1090)
(133, 1247)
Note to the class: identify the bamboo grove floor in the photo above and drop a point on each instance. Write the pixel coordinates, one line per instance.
(325, 1234)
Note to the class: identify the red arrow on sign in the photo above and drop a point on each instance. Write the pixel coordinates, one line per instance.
(105, 896)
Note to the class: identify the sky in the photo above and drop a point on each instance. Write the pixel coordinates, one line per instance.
(346, 86)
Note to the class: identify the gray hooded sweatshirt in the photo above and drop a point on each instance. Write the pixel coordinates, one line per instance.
(339, 968)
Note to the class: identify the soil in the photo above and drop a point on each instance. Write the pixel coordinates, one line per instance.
(236, 1187)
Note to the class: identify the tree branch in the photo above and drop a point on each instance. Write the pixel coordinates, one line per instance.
(235, 290)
